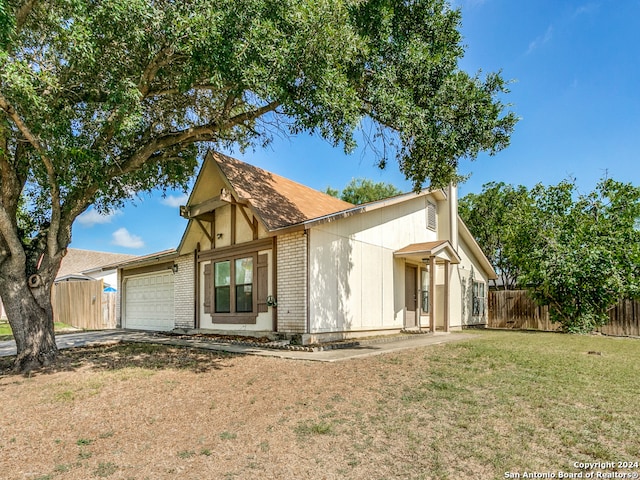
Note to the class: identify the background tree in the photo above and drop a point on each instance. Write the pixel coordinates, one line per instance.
(489, 216)
(580, 253)
(100, 100)
(363, 190)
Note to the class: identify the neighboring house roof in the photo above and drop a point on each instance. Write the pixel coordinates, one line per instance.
(78, 261)
(277, 201)
(73, 276)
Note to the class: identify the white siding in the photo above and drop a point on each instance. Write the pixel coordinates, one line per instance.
(355, 281)
(462, 289)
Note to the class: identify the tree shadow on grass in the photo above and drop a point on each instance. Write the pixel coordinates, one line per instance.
(120, 356)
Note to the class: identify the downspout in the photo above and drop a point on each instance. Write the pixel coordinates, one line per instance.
(307, 234)
(452, 197)
(196, 287)
(452, 194)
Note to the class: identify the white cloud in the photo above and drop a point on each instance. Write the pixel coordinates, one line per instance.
(123, 238)
(541, 40)
(92, 217)
(586, 9)
(175, 202)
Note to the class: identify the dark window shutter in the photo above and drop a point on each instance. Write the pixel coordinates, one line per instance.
(263, 282)
(207, 287)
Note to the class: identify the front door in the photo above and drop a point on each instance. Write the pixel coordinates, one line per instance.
(411, 297)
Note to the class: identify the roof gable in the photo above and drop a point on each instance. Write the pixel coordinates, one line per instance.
(440, 248)
(277, 201)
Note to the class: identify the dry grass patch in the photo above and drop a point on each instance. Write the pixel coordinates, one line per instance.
(504, 401)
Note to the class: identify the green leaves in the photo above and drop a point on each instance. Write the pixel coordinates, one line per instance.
(119, 96)
(491, 216)
(364, 190)
(578, 253)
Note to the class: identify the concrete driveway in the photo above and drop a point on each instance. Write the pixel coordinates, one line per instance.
(364, 349)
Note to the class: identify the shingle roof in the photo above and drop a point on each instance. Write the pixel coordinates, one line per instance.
(421, 247)
(278, 201)
(79, 261)
(420, 250)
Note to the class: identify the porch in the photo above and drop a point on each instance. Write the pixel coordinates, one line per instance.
(428, 268)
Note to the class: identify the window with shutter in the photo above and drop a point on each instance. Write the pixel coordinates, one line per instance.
(262, 278)
(236, 287)
(222, 287)
(207, 287)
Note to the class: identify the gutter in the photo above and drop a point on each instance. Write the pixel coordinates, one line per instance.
(144, 260)
(365, 207)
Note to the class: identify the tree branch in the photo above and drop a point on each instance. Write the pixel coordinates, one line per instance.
(252, 115)
(173, 91)
(7, 173)
(23, 12)
(155, 147)
(51, 173)
(10, 235)
(164, 57)
(228, 105)
(206, 132)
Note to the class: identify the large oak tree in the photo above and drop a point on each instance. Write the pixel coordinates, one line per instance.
(100, 99)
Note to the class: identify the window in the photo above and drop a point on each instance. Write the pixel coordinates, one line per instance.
(425, 291)
(222, 287)
(235, 283)
(431, 216)
(233, 296)
(478, 299)
(244, 284)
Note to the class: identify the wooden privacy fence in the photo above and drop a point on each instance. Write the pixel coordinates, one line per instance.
(84, 305)
(517, 310)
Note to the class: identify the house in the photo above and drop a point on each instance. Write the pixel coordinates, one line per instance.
(80, 264)
(262, 254)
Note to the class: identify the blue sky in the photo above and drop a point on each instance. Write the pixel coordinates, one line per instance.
(575, 67)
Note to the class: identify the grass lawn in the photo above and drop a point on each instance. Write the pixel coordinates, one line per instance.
(501, 403)
(6, 333)
(5, 329)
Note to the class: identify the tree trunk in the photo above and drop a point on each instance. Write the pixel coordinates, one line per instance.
(30, 315)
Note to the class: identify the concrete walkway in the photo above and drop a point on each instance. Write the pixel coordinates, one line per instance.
(365, 349)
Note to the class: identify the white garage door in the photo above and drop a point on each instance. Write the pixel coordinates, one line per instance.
(149, 302)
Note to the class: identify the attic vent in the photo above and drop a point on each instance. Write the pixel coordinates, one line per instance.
(431, 215)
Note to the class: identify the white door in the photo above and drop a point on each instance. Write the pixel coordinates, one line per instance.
(149, 302)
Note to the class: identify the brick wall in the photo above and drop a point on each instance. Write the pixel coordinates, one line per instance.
(183, 292)
(292, 282)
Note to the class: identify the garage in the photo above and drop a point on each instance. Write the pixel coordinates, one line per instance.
(148, 302)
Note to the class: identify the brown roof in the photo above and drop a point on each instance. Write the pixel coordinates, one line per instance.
(77, 261)
(421, 247)
(419, 250)
(278, 201)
